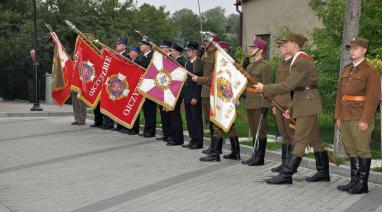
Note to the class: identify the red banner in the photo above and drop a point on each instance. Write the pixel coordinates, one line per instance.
(120, 99)
(89, 72)
(61, 72)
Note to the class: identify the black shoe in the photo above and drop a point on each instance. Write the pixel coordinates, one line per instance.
(259, 154)
(245, 162)
(125, 131)
(364, 169)
(146, 135)
(209, 149)
(115, 129)
(161, 138)
(94, 125)
(168, 139)
(196, 146)
(285, 175)
(284, 150)
(235, 149)
(210, 158)
(354, 176)
(187, 145)
(322, 166)
(74, 123)
(173, 143)
(133, 132)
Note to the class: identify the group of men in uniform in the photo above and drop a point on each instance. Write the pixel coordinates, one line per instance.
(295, 90)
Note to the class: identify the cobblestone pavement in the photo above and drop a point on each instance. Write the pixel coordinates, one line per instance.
(48, 165)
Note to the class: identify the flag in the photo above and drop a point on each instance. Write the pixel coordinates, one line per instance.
(89, 72)
(61, 72)
(227, 85)
(120, 99)
(163, 81)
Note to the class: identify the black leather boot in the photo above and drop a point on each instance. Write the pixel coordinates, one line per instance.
(322, 166)
(285, 175)
(214, 156)
(364, 170)
(354, 175)
(209, 149)
(284, 149)
(253, 156)
(220, 145)
(235, 149)
(259, 154)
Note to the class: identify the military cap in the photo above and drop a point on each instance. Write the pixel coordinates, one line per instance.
(359, 41)
(136, 49)
(259, 43)
(122, 41)
(165, 44)
(192, 45)
(176, 47)
(296, 38)
(210, 36)
(224, 45)
(145, 41)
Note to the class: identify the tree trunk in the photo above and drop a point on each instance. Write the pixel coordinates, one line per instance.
(351, 27)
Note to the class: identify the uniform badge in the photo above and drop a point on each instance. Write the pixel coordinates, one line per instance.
(86, 71)
(117, 87)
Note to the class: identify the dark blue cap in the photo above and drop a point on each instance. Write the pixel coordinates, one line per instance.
(122, 41)
(136, 49)
(176, 47)
(192, 45)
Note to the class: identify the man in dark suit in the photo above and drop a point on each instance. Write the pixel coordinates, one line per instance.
(165, 46)
(135, 56)
(192, 100)
(175, 117)
(149, 107)
(29, 71)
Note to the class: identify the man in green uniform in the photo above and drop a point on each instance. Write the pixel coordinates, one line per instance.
(306, 104)
(282, 123)
(356, 103)
(255, 104)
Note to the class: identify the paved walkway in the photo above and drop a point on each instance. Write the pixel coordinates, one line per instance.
(48, 165)
(22, 109)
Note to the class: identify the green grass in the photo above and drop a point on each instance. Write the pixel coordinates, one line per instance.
(377, 169)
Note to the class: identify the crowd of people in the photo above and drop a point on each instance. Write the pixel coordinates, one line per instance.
(295, 89)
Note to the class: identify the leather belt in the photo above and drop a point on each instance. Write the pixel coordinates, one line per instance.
(354, 98)
(304, 88)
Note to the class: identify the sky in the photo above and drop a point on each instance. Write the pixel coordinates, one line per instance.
(173, 5)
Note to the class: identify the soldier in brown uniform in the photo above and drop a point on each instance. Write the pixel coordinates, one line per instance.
(306, 104)
(285, 131)
(218, 136)
(255, 104)
(206, 66)
(357, 99)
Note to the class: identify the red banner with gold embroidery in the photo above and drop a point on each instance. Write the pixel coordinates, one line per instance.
(120, 99)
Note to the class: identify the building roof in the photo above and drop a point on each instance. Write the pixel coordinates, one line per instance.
(238, 2)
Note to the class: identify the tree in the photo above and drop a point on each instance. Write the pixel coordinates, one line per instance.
(186, 26)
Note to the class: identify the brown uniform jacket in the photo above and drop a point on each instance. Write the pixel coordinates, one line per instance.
(282, 73)
(207, 66)
(303, 73)
(363, 80)
(261, 71)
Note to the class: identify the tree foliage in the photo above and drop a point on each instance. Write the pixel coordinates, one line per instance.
(105, 19)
